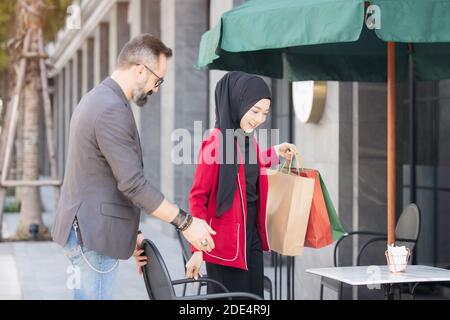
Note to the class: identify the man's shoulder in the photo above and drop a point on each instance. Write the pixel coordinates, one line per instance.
(102, 94)
(99, 99)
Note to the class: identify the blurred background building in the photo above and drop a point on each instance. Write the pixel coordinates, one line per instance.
(347, 145)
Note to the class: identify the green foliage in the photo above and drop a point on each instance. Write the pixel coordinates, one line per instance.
(56, 18)
(7, 10)
(11, 205)
(55, 21)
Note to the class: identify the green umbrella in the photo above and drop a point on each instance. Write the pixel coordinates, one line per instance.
(329, 40)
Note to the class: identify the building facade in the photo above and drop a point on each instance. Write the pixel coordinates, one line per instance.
(348, 145)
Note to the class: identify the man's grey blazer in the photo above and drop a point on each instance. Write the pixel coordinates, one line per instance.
(104, 184)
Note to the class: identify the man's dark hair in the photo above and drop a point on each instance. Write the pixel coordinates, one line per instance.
(143, 48)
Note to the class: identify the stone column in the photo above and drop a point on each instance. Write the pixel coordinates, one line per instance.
(60, 123)
(101, 52)
(74, 81)
(55, 108)
(191, 85)
(97, 56)
(79, 75)
(371, 188)
(122, 18)
(84, 68)
(348, 171)
(149, 117)
(119, 32)
(90, 63)
(67, 105)
(135, 17)
(217, 8)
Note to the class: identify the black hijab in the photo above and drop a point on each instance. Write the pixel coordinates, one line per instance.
(236, 93)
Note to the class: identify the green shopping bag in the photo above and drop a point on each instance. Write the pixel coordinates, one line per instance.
(335, 223)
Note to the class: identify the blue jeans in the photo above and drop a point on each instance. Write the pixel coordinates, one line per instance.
(87, 283)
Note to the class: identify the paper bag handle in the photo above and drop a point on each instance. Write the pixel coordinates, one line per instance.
(299, 160)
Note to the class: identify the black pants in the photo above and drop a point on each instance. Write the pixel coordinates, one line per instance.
(239, 280)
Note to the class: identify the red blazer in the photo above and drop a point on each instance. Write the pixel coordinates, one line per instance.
(230, 239)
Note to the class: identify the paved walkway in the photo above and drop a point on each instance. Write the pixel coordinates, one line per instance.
(38, 270)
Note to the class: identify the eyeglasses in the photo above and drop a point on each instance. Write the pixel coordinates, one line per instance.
(159, 81)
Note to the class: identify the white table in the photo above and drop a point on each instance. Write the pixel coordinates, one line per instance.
(380, 275)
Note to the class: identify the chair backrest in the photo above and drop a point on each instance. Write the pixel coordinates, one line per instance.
(408, 225)
(156, 275)
(185, 247)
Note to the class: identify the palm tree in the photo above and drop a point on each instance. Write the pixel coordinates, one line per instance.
(31, 17)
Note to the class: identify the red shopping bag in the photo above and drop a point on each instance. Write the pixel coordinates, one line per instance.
(318, 232)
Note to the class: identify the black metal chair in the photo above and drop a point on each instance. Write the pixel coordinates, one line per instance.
(186, 253)
(161, 287)
(407, 233)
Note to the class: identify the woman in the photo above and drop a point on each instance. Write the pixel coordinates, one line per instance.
(231, 195)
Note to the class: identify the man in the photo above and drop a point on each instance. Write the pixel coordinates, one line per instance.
(104, 186)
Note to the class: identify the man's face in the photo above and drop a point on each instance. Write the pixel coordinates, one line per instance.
(146, 81)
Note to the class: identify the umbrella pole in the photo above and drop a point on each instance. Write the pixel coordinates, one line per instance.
(391, 118)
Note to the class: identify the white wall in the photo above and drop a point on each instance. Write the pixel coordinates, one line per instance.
(319, 145)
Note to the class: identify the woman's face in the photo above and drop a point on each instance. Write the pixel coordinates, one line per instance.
(255, 116)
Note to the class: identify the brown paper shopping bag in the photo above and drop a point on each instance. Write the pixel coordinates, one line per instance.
(288, 206)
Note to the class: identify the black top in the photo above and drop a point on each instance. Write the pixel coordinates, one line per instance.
(251, 167)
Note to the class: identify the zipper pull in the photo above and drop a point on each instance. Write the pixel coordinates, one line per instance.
(77, 232)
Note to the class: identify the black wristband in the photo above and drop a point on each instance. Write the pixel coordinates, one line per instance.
(179, 219)
(186, 223)
(139, 232)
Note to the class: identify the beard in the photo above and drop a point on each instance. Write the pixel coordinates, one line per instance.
(140, 97)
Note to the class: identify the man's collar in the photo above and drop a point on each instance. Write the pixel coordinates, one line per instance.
(111, 83)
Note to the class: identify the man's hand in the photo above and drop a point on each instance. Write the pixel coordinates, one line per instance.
(199, 235)
(140, 260)
(199, 231)
(194, 264)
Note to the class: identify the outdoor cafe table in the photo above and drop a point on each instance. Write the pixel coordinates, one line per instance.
(380, 275)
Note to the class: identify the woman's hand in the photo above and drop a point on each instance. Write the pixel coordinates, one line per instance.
(286, 150)
(194, 264)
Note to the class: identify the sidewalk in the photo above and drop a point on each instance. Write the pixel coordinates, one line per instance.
(38, 270)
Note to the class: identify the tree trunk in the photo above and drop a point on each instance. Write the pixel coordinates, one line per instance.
(31, 209)
(18, 148)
